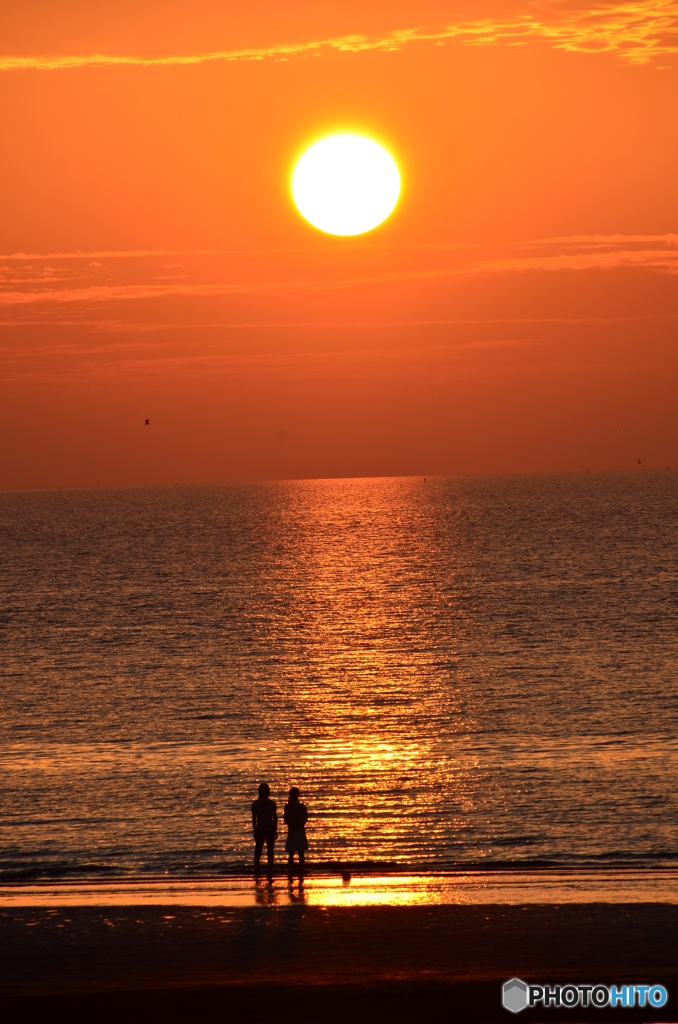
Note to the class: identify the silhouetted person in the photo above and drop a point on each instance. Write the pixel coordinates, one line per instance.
(264, 825)
(296, 817)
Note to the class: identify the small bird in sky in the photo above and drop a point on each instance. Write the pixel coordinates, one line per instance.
(148, 423)
(639, 462)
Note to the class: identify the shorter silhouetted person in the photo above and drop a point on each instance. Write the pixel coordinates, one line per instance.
(264, 825)
(296, 817)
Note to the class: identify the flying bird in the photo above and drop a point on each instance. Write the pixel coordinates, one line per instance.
(148, 423)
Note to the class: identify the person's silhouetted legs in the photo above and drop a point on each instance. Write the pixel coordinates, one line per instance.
(258, 847)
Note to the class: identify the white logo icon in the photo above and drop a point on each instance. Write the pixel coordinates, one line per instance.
(514, 995)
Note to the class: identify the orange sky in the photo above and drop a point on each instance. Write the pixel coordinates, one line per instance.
(517, 312)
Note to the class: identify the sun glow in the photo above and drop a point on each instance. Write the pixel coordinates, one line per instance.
(345, 185)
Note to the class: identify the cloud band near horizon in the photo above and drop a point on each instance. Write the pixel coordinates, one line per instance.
(73, 283)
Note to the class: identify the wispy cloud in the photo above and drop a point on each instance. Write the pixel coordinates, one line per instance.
(637, 32)
(78, 279)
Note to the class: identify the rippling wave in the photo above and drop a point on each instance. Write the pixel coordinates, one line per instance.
(457, 671)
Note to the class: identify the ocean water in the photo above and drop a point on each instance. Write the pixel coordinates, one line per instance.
(453, 671)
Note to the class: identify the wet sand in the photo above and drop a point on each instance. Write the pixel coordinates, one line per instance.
(305, 963)
(474, 886)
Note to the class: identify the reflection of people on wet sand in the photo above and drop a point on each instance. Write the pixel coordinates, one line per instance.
(265, 894)
(264, 825)
(296, 817)
(297, 894)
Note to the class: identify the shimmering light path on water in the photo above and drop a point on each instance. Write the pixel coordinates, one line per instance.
(480, 670)
(488, 887)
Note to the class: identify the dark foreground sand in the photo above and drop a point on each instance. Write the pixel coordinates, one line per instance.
(306, 964)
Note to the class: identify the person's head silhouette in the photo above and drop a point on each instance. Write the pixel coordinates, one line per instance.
(293, 795)
(264, 790)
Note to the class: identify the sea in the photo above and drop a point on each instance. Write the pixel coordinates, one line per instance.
(474, 672)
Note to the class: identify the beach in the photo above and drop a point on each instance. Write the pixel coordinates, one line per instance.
(302, 962)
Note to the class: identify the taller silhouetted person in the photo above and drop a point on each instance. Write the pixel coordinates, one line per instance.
(264, 825)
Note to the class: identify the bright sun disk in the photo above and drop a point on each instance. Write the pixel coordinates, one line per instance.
(345, 185)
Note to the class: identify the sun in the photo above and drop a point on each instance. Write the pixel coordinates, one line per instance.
(345, 185)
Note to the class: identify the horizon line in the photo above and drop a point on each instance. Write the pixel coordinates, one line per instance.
(271, 481)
